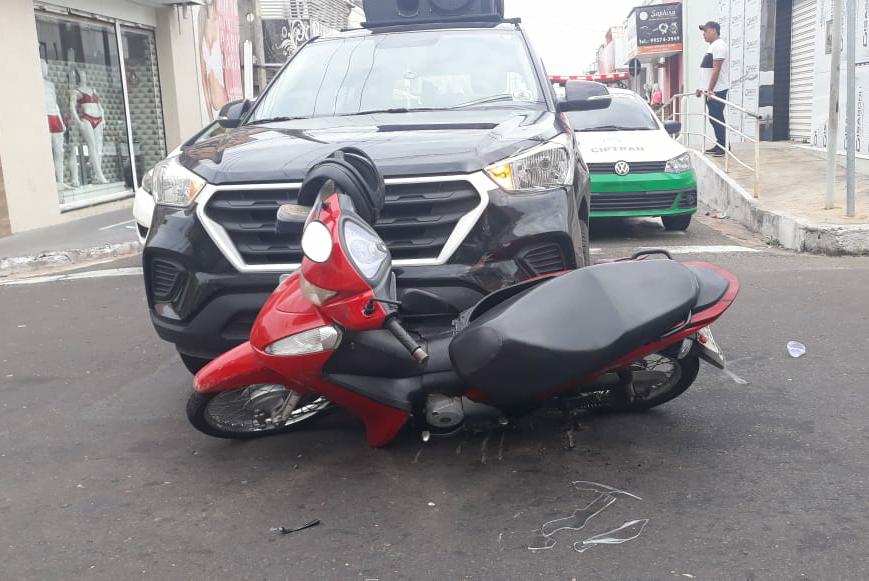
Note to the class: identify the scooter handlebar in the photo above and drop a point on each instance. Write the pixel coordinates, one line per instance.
(414, 348)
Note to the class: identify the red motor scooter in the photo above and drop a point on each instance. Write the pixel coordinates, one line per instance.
(623, 335)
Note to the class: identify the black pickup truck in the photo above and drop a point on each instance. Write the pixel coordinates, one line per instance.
(485, 184)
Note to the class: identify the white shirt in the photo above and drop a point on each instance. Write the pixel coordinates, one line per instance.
(717, 52)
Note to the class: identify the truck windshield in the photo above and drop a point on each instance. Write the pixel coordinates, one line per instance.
(396, 72)
(626, 113)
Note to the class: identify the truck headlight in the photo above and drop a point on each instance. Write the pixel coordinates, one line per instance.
(148, 181)
(174, 185)
(366, 250)
(679, 164)
(546, 166)
(312, 341)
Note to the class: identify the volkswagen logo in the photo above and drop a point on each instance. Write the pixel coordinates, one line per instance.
(622, 168)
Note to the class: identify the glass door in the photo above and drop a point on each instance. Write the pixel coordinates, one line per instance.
(143, 96)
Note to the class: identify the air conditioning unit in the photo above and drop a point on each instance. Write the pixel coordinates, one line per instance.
(380, 13)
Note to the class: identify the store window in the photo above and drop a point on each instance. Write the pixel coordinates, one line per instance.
(86, 100)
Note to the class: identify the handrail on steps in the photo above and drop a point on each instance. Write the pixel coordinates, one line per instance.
(677, 113)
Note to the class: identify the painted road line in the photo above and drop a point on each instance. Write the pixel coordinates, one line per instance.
(711, 249)
(108, 273)
(113, 225)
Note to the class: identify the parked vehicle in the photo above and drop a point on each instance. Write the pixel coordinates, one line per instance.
(637, 168)
(484, 183)
(626, 335)
(143, 202)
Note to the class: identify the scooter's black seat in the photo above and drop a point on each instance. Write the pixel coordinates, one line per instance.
(565, 328)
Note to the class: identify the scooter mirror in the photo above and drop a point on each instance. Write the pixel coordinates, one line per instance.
(291, 218)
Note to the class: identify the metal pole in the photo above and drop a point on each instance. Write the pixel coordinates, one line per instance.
(851, 106)
(833, 112)
(757, 158)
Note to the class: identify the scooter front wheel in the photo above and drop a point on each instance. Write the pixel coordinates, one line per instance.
(249, 413)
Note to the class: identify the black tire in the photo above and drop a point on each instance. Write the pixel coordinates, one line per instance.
(681, 381)
(193, 364)
(586, 251)
(198, 412)
(677, 222)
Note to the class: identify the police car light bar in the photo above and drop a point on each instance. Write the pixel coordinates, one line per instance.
(605, 78)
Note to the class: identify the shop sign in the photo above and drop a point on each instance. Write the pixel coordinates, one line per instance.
(283, 37)
(655, 30)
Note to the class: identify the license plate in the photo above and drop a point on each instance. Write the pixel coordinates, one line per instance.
(708, 348)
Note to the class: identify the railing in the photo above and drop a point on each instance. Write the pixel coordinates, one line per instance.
(678, 113)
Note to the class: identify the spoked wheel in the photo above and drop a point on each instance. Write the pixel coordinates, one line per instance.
(253, 412)
(657, 378)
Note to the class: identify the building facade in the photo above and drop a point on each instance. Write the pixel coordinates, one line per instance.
(97, 91)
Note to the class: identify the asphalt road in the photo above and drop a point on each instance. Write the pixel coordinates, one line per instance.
(101, 477)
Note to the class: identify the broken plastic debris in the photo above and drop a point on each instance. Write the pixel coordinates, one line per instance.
(286, 531)
(601, 488)
(796, 349)
(540, 542)
(627, 532)
(580, 516)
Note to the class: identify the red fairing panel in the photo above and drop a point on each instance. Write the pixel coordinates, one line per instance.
(235, 369)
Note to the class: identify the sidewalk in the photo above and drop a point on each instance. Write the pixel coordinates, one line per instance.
(790, 209)
(108, 235)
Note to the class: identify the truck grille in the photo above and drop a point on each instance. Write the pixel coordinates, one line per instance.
(415, 223)
(632, 201)
(636, 167)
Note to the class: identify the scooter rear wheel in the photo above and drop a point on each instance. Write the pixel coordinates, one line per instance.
(245, 413)
(657, 379)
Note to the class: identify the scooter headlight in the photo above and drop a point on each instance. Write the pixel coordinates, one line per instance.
(366, 249)
(316, 340)
(544, 167)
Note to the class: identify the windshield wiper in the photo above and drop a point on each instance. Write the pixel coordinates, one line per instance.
(391, 110)
(614, 128)
(490, 99)
(272, 120)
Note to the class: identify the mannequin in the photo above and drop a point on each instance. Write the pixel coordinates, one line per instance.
(84, 104)
(55, 126)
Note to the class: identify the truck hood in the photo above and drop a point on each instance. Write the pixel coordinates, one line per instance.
(630, 146)
(402, 144)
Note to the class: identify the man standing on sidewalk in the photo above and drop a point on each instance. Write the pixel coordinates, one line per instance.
(713, 75)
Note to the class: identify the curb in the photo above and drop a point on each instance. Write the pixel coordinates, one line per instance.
(65, 258)
(722, 193)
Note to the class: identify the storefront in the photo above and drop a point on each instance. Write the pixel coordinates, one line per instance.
(102, 90)
(103, 104)
(653, 35)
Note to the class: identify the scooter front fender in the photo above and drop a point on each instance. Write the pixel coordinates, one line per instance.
(235, 369)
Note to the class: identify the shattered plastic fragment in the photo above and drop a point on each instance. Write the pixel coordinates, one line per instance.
(601, 488)
(627, 532)
(796, 349)
(286, 531)
(540, 542)
(580, 516)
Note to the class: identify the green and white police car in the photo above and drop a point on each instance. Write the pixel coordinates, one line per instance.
(636, 167)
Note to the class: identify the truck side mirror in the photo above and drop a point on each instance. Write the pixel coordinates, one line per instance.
(232, 113)
(674, 128)
(590, 104)
(291, 218)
